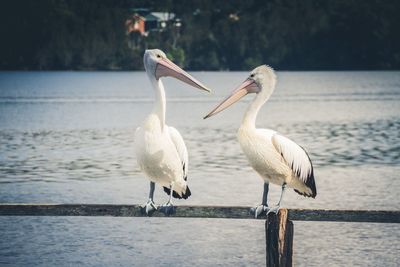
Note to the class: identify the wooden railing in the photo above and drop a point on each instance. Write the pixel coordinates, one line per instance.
(278, 227)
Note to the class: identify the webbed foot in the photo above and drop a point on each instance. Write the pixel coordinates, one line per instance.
(274, 210)
(258, 210)
(168, 208)
(148, 208)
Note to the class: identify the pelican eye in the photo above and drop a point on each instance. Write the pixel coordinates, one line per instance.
(158, 56)
(252, 75)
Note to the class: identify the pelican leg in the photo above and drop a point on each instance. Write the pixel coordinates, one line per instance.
(149, 207)
(256, 211)
(168, 208)
(278, 206)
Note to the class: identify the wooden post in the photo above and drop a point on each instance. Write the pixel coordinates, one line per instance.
(279, 239)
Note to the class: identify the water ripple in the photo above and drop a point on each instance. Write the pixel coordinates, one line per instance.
(102, 154)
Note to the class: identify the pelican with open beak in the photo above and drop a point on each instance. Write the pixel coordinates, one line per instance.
(274, 157)
(160, 150)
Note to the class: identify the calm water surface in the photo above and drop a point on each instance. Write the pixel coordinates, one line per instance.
(67, 137)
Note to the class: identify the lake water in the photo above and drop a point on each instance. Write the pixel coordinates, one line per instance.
(67, 137)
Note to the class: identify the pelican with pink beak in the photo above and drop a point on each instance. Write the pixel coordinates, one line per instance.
(160, 150)
(274, 157)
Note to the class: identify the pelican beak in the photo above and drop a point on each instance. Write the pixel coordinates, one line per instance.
(248, 86)
(166, 67)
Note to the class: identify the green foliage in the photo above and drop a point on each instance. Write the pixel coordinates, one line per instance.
(215, 35)
(177, 55)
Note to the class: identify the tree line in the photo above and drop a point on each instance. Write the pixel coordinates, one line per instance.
(215, 35)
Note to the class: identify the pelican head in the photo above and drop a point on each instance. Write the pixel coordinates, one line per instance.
(261, 81)
(157, 65)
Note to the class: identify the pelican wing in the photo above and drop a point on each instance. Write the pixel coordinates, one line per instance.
(297, 159)
(181, 149)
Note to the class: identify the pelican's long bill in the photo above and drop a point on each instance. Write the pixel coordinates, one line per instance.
(248, 86)
(166, 67)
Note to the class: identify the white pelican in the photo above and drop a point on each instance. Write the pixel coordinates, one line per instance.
(274, 157)
(160, 150)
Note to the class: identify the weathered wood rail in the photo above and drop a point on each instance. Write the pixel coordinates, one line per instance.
(22, 209)
(278, 227)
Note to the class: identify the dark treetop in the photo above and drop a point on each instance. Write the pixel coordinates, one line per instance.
(213, 35)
